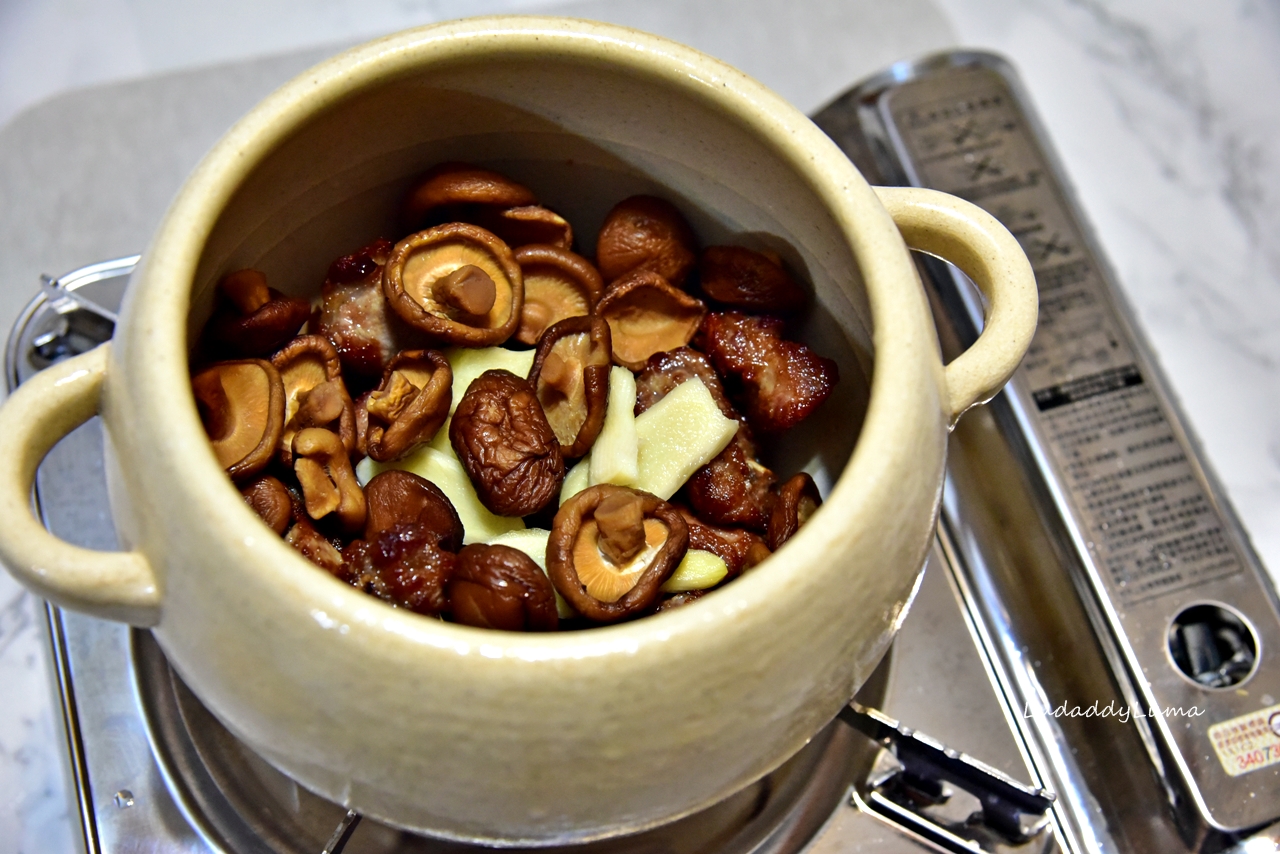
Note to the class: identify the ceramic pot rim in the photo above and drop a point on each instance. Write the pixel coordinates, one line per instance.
(155, 313)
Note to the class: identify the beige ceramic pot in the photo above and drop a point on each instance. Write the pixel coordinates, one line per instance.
(487, 735)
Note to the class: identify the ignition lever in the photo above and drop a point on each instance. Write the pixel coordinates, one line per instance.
(903, 792)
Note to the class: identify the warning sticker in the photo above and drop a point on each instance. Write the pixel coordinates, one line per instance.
(1248, 742)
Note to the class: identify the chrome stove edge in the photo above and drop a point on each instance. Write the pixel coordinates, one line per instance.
(861, 123)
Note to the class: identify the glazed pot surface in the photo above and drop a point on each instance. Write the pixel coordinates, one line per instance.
(494, 736)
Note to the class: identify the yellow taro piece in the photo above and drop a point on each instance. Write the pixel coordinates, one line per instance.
(468, 363)
(679, 435)
(442, 468)
(578, 479)
(533, 542)
(615, 456)
(697, 571)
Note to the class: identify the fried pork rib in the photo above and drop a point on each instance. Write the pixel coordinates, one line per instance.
(355, 316)
(403, 565)
(778, 382)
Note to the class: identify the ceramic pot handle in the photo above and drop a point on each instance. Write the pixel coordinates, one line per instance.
(113, 585)
(964, 234)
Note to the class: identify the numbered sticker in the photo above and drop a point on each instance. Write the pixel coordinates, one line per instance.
(1248, 742)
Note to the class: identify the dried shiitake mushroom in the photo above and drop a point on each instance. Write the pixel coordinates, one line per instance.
(498, 587)
(253, 319)
(646, 315)
(506, 446)
(409, 406)
(456, 282)
(778, 381)
(570, 376)
(403, 565)
(461, 185)
(558, 284)
(529, 224)
(398, 497)
(798, 499)
(611, 548)
(328, 482)
(739, 549)
(241, 404)
(355, 316)
(646, 233)
(314, 394)
(270, 499)
(737, 277)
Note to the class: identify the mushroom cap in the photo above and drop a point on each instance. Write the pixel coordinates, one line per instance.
(499, 587)
(646, 233)
(260, 333)
(577, 566)
(506, 446)
(422, 260)
(646, 315)
(528, 224)
(574, 401)
(396, 497)
(329, 485)
(558, 284)
(242, 406)
(305, 363)
(270, 499)
(410, 405)
(738, 277)
(462, 184)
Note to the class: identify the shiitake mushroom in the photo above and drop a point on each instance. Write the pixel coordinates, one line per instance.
(611, 549)
(570, 376)
(506, 446)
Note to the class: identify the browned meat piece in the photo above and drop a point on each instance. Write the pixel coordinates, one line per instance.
(313, 545)
(355, 316)
(739, 549)
(665, 371)
(734, 488)
(777, 381)
(403, 566)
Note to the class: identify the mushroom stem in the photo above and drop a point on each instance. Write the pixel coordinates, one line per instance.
(620, 521)
(468, 290)
(321, 405)
(561, 374)
(390, 403)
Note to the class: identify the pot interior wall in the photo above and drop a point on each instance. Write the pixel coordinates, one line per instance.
(582, 137)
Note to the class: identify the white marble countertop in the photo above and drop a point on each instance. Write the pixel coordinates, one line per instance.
(1166, 115)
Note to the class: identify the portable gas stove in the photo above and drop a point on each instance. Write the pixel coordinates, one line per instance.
(1091, 621)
